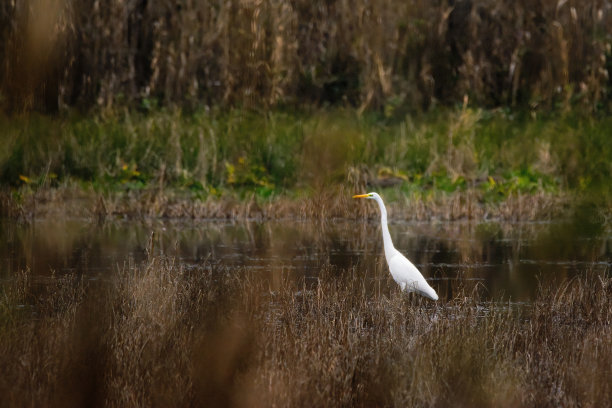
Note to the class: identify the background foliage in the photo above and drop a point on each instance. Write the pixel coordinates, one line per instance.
(386, 54)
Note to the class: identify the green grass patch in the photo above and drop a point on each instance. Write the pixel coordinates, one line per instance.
(215, 152)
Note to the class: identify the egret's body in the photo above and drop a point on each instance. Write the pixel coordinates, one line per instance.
(402, 270)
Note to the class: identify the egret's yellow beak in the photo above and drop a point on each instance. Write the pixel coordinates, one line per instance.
(361, 196)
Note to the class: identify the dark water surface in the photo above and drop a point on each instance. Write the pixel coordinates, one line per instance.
(508, 259)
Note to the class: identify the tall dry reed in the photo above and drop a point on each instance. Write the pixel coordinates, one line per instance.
(388, 53)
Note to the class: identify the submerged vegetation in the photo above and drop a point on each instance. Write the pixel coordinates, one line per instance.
(474, 159)
(161, 333)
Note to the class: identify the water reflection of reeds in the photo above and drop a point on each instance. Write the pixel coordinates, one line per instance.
(510, 258)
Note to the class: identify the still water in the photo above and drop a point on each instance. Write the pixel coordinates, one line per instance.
(508, 259)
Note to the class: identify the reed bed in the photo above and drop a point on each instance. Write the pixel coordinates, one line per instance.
(391, 55)
(161, 333)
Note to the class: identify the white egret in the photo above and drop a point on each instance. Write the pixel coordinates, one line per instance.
(403, 271)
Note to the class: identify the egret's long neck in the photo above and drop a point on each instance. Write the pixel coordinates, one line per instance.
(388, 244)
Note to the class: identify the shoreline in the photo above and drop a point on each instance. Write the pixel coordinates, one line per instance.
(74, 202)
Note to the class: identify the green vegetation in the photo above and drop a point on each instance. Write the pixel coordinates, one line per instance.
(159, 334)
(477, 100)
(492, 156)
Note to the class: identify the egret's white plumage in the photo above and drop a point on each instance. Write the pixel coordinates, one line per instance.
(403, 271)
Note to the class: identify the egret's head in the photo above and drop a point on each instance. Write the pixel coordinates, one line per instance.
(371, 196)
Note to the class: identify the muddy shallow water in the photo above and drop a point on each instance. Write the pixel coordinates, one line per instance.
(509, 260)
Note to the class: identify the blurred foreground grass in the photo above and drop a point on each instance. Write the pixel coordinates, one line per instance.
(490, 155)
(161, 333)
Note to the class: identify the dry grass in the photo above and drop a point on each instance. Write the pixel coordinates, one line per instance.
(390, 54)
(332, 202)
(161, 333)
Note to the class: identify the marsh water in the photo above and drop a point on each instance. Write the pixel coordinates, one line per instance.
(509, 260)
